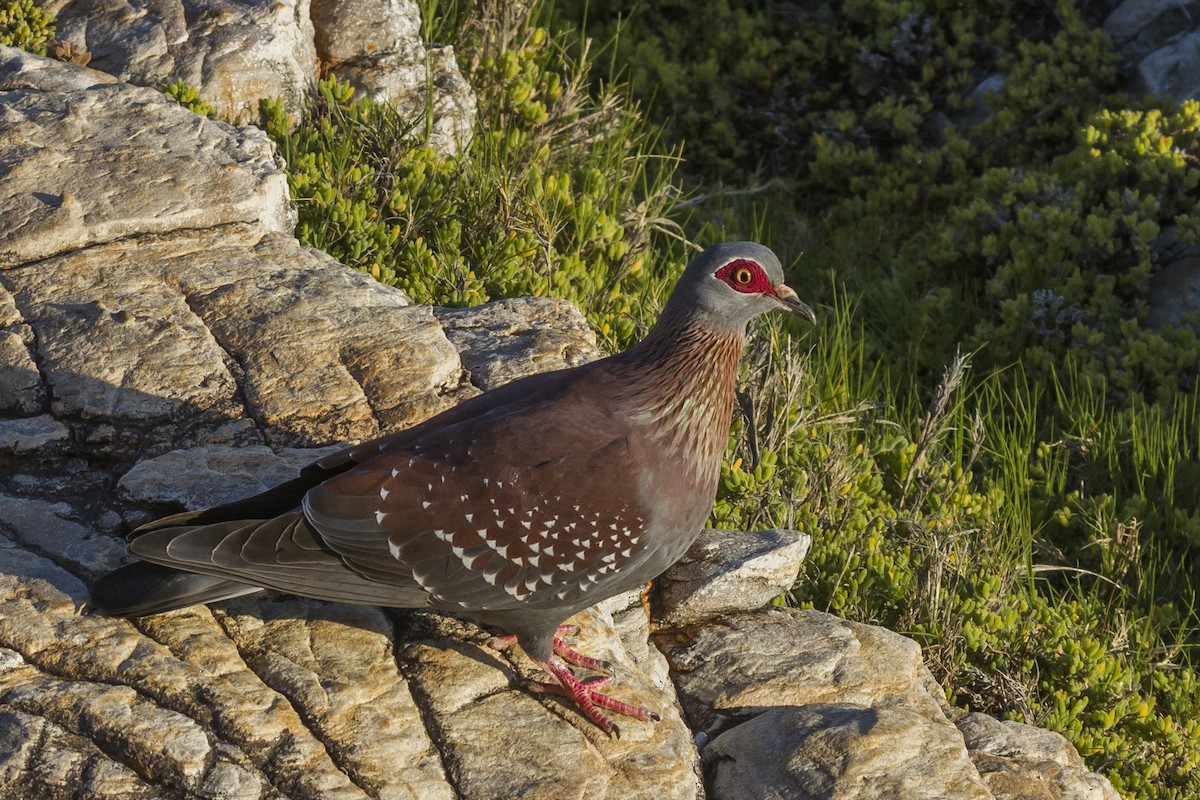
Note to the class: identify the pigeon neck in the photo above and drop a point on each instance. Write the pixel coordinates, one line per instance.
(681, 383)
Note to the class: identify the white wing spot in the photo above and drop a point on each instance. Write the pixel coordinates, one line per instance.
(425, 504)
(549, 550)
(379, 515)
(469, 517)
(533, 560)
(383, 493)
(528, 525)
(394, 549)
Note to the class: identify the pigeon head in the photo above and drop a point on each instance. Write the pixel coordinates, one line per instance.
(729, 284)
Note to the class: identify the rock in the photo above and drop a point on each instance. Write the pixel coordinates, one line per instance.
(838, 705)
(1020, 761)
(21, 388)
(556, 753)
(63, 151)
(1159, 38)
(376, 46)
(739, 667)
(203, 477)
(729, 571)
(53, 530)
(42, 757)
(501, 340)
(976, 110)
(1139, 27)
(841, 751)
(350, 31)
(1174, 69)
(795, 703)
(1174, 295)
(29, 435)
(209, 328)
(234, 52)
(405, 82)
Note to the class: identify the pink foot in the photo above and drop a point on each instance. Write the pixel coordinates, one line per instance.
(588, 699)
(584, 692)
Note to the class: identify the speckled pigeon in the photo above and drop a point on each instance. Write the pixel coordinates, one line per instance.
(517, 508)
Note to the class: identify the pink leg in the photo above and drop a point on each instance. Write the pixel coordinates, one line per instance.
(587, 698)
(584, 692)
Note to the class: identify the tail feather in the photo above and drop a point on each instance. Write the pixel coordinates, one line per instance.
(142, 588)
(261, 542)
(282, 553)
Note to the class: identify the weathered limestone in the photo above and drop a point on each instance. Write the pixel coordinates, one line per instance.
(1159, 39)
(236, 52)
(73, 174)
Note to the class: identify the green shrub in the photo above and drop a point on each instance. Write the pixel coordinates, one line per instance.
(24, 24)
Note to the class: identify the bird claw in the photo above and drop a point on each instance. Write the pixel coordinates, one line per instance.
(587, 697)
(573, 656)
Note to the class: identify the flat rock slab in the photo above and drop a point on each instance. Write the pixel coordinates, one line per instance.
(233, 335)
(505, 339)
(801, 704)
(1020, 761)
(84, 161)
(847, 710)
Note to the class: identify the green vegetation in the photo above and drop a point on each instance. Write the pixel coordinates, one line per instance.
(24, 24)
(1031, 520)
(560, 192)
(187, 96)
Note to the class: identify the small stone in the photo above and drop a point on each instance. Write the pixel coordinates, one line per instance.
(729, 571)
(33, 435)
(1020, 761)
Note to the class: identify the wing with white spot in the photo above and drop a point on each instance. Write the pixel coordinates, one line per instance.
(519, 510)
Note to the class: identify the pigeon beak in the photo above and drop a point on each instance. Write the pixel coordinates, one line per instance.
(789, 300)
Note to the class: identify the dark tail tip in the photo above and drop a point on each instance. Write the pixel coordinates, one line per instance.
(142, 588)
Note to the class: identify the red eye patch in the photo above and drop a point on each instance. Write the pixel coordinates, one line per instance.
(745, 276)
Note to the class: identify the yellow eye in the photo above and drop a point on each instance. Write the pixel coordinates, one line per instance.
(743, 276)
